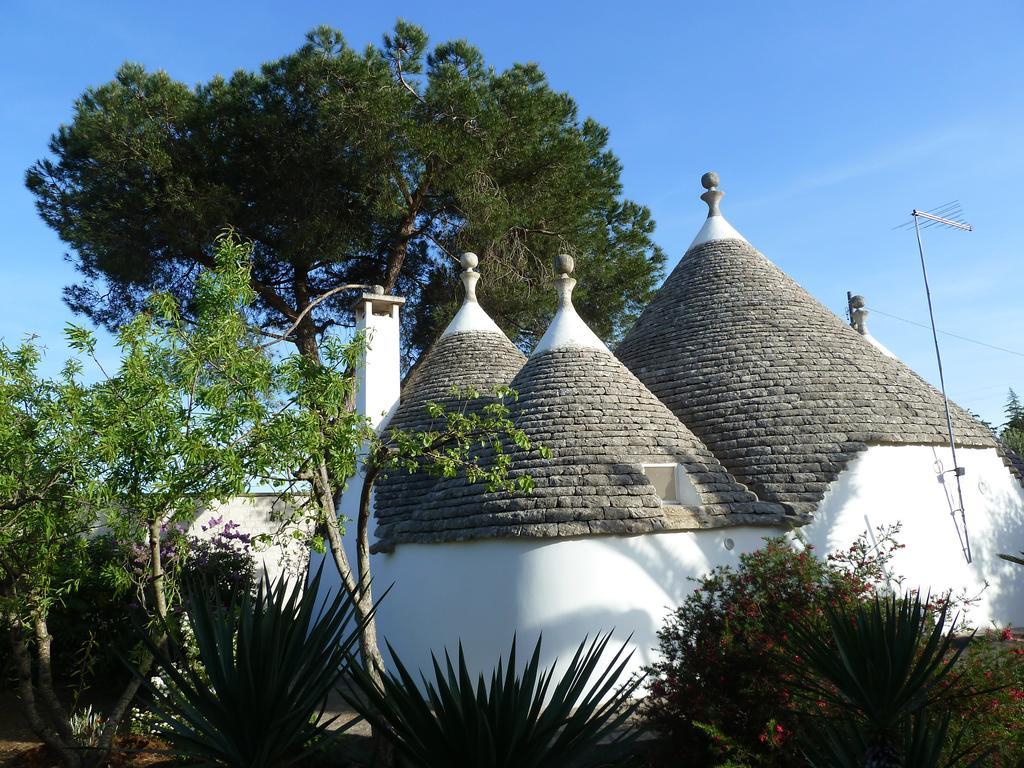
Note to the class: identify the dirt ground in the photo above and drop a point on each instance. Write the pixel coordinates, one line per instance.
(16, 738)
(15, 735)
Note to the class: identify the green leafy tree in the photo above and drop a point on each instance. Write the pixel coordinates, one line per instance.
(193, 412)
(344, 168)
(45, 463)
(199, 408)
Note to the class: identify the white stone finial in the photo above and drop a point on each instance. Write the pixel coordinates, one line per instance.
(564, 264)
(714, 195)
(859, 322)
(567, 329)
(858, 314)
(471, 316)
(715, 226)
(469, 275)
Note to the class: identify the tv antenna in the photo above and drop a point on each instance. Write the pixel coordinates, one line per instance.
(949, 215)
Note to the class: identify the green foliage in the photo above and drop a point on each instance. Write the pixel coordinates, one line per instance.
(94, 621)
(347, 166)
(1012, 433)
(196, 410)
(991, 720)
(883, 670)
(46, 466)
(722, 692)
(923, 742)
(467, 438)
(268, 663)
(199, 408)
(512, 721)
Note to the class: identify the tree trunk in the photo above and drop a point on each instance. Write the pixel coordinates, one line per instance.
(400, 245)
(383, 749)
(368, 647)
(124, 701)
(363, 563)
(156, 570)
(30, 706)
(44, 643)
(323, 486)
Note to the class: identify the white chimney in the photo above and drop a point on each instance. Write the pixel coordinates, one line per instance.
(379, 379)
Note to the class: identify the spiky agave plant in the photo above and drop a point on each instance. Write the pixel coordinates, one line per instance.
(514, 721)
(884, 668)
(926, 741)
(267, 663)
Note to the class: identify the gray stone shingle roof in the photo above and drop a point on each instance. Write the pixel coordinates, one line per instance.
(601, 425)
(1013, 461)
(479, 360)
(779, 388)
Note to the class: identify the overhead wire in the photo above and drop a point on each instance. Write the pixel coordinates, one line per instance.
(947, 333)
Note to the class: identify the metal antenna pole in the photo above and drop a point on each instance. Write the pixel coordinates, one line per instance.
(958, 471)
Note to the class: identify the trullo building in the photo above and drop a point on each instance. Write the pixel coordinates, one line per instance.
(737, 407)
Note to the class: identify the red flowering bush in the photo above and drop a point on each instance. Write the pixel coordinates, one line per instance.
(720, 693)
(995, 719)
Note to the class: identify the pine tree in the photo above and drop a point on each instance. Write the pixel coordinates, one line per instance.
(346, 168)
(1012, 433)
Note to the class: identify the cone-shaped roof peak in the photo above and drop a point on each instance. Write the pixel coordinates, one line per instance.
(473, 356)
(781, 390)
(567, 329)
(715, 226)
(604, 429)
(471, 316)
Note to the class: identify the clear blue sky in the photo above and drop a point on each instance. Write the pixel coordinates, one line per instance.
(828, 122)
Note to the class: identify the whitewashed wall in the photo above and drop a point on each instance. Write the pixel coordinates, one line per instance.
(481, 592)
(886, 484)
(255, 514)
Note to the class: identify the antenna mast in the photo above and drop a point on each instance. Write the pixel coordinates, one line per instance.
(951, 216)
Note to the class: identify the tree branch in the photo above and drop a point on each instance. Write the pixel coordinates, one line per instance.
(309, 308)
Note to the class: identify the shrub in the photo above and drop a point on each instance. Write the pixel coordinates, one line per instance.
(885, 668)
(94, 622)
(720, 690)
(223, 561)
(266, 665)
(515, 721)
(993, 721)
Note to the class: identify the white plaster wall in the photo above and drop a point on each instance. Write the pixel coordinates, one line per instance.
(482, 592)
(887, 484)
(255, 515)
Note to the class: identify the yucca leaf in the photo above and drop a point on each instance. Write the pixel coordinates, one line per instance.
(527, 720)
(885, 666)
(269, 663)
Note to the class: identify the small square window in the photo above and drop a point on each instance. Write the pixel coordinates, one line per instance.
(672, 484)
(663, 478)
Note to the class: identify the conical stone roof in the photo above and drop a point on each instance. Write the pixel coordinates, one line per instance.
(602, 426)
(472, 353)
(779, 388)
